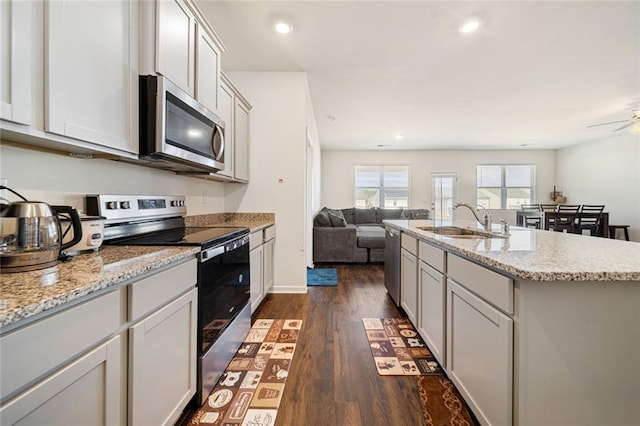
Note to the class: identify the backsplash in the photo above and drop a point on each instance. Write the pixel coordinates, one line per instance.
(58, 179)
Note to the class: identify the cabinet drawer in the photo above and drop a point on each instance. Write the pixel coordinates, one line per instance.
(491, 286)
(409, 243)
(255, 239)
(156, 290)
(30, 352)
(432, 256)
(269, 233)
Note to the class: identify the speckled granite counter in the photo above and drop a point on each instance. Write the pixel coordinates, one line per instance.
(537, 255)
(253, 221)
(26, 294)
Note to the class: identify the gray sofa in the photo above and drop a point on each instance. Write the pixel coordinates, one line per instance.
(354, 235)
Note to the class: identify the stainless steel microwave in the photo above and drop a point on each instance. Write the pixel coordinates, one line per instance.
(177, 132)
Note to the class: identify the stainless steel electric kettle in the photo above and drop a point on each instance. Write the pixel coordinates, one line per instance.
(30, 234)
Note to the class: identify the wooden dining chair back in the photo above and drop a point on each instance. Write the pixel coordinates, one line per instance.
(566, 215)
(532, 216)
(589, 218)
(548, 207)
(530, 207)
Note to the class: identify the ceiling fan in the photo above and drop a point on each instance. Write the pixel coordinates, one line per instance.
(633, 122)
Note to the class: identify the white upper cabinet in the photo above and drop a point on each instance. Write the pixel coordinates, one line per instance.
(175, 55)
(15, 62)
(91, 71)
(207, 70)
(241, 140)
(181, 45)
(225, 112)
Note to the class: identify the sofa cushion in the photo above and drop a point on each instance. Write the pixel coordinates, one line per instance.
(370, 236)
(383, 214)
(364, 216)
(348, 214)
(337, 218)
(322, 219)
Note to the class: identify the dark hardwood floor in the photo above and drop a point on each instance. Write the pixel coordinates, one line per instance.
(333, 380)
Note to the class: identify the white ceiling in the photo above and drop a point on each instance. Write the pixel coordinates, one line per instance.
(536, 73)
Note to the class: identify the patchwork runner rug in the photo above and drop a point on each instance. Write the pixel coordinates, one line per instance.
(398, 349)
(250, 390)
(322, 276)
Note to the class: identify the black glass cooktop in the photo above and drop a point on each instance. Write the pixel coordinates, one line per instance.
(206, 237)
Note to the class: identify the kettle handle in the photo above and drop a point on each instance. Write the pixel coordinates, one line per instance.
(75, 222)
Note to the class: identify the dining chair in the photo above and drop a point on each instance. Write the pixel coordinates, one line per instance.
(590, 222)
(547, 209)
(565, 219)
(532, 218)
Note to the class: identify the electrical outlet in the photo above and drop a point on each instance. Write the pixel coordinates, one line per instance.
(204, 197)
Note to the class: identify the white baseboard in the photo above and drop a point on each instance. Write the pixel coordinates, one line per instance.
(289, 289)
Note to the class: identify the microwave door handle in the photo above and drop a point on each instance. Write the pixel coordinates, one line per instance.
(217, 135)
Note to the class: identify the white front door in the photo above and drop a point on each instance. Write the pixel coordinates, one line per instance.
(444, 195)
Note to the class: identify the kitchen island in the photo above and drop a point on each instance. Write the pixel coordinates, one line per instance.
(534, 327)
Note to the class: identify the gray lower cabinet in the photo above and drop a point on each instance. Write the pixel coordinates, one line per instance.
(77, 367)
(261, 263)
(480, 355)
(409, 277)
(432, 302)
(162, 363)
(256, 268)
(480, 339)
(86, 392)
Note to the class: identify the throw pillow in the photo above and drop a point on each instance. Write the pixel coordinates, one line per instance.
(420, 214)
(337, 218)
(322, 219)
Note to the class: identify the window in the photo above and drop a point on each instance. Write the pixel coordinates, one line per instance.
(505, 186)
(382, 186)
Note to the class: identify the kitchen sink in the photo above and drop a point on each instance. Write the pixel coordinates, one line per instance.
(457, 232)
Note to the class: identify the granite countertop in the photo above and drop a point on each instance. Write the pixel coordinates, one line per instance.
(537, 255)
(26, 294)
(253, 221)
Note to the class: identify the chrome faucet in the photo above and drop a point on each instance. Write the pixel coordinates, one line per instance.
(486, 222)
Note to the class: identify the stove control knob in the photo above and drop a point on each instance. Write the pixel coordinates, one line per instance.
(112, 205)
(181, 203)
(174, 203)
(125, 204)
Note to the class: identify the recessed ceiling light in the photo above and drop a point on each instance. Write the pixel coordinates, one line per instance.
(283, 26)
(469, 26)
(399, 136)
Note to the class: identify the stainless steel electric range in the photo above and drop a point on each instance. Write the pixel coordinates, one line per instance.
(224, 310)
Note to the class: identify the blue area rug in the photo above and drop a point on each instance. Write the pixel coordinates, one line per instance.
(322, 276)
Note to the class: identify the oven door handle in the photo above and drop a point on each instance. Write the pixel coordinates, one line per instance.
(211, 253)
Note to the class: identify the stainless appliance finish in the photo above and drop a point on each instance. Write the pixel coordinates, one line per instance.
(392, 247)
(177, 132)
(31, 236)
(224, 309)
